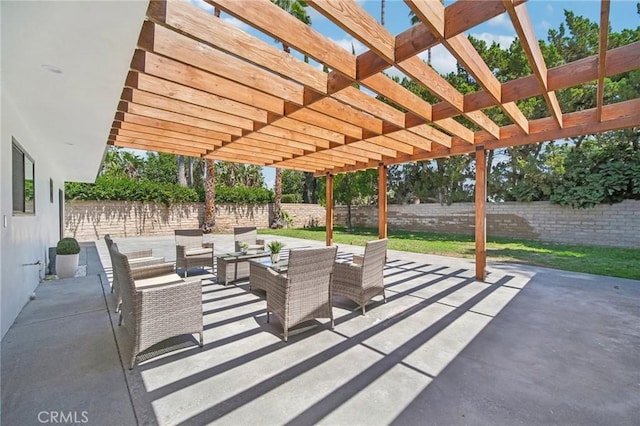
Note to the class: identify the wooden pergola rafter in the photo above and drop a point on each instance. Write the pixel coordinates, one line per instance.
(202, 87)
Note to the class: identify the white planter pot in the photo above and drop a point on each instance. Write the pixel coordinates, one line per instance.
(67, 265)
(275, 257)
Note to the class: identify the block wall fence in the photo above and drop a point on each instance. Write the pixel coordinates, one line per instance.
(608, 225)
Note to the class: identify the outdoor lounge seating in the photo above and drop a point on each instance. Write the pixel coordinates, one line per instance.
(304, 292)
(142, 259)
(191, 250)
(156, 304)
(248, 235)
(362, 280)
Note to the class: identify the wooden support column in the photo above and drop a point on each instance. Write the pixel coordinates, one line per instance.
(329, 209)
(481, 213)
(382, 201)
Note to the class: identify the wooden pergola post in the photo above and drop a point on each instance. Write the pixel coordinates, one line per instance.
(481, 213)
(382, 201)
(329, 209)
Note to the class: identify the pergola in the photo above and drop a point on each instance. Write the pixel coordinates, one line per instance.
(200, 86)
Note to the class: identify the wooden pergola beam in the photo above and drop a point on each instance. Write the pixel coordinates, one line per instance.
(382, 201)
(614, 117)
(432, 14)
(522, 24)
(329, 209)
(602, 55)
(619, 60)
(481, 213)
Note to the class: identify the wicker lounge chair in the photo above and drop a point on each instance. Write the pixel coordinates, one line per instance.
(191, 251)
(304, 292)
(248, 235)
(362, 280)
(156, 307)
(142, 259)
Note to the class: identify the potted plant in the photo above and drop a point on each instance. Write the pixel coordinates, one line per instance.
(67, 255)
(275, 247)
(243, 247)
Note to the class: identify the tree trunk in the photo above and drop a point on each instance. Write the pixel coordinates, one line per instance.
(349, 225)
(182, 180)
(277, 205)
(209, 196)
(190, 172)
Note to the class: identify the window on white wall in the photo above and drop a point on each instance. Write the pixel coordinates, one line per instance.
(23, 180)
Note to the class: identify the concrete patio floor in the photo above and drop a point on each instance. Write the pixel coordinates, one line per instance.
(529, 346)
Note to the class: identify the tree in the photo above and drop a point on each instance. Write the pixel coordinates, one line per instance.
(354, 188)
(160, 167)
(121, 163)
(297, 8)
(182, 179)
(209, 221)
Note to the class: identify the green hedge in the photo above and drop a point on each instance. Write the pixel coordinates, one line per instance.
(292, 198)
(243, 195)
(125, 189)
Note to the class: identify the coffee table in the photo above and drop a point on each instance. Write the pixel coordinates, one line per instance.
(258, 271)
(235, 266)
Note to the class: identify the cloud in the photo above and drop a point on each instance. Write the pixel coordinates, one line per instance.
(503, 40)
(544, 25)
(346, 44)
(441, 60)
(500, 21)
(549, 8)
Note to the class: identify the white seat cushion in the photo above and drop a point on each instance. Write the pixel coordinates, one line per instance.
(159, 280)
(198, 251)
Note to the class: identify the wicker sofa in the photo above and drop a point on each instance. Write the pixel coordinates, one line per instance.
(156, 305)
(304, 292)
(192, 251)
(142, 259)
(362, 280)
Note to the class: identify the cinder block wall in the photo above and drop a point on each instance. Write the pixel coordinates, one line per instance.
(91, 220)
(609, 225)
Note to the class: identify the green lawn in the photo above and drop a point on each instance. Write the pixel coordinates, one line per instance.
(615, 262)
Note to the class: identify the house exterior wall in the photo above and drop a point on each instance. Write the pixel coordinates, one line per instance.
(26, 238)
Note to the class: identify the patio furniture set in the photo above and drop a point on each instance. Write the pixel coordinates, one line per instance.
(155, 303)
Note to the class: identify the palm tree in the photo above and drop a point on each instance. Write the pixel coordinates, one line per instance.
(209, 220)
(297, 8)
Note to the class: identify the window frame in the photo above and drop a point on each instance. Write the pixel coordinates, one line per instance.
(19, 180)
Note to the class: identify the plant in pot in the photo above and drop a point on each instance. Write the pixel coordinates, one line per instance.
(67, 255)
(244, 247)
(275, 247)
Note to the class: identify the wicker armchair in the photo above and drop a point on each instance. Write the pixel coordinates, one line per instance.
(362, 280)
(156, 307)
(142, 259)
(304, 292)
(191, 251)
(249, 235)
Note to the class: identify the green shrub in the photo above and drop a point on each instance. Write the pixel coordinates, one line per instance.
(292, 198)
(243, 195)
(126, 189)
(275, 246)
(68, 246)
(117, 188)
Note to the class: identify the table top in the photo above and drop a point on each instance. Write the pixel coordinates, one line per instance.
(279, 267)
(240, 256)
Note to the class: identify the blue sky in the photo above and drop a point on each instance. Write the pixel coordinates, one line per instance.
(544, 14)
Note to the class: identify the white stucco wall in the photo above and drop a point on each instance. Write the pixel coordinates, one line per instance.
(26, 238)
